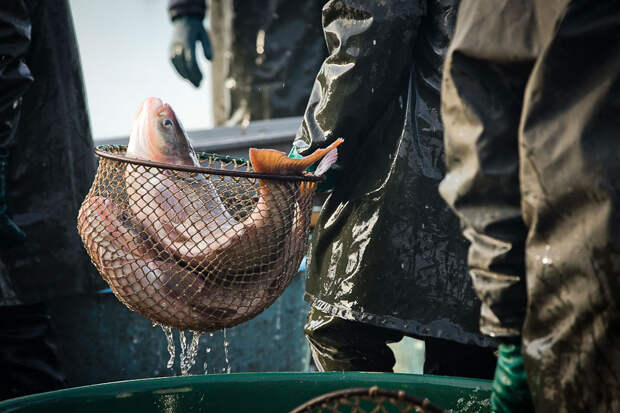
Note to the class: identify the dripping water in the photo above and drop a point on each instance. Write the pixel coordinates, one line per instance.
(188, 354)
(278, 336)
(183, 342)
(171, 348)
(226, 344)
(205, 366)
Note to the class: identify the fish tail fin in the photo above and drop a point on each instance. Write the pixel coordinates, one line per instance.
(272, 161)
(327, 162)
(317, 155)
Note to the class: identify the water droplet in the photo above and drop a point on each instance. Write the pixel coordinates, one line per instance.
(260, 42)
(374, 42)
(245, 122)
(230, 83)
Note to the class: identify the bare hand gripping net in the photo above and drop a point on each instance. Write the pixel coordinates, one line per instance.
(195, 248)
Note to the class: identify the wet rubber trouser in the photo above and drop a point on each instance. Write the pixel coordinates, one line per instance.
(51, 163)
(50, 168)
(342, 345)
(28, 359)
(530, 104)
(387, 250)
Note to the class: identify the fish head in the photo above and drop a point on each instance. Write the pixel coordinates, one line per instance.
(157, 135)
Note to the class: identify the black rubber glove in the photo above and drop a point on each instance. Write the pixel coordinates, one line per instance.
(10, 234)
(187, 30)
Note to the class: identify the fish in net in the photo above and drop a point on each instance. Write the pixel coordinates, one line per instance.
(191, 243)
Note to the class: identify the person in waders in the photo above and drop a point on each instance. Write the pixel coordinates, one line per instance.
(531, 107)
(387, 257)
(46, 168)
(264, 54)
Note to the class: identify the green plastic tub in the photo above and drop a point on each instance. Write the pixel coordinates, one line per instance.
(247, 392)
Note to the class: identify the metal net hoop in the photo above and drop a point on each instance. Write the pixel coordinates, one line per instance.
(195, 248)
(366, 400)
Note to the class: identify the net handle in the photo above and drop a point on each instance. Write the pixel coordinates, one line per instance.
(103, 152)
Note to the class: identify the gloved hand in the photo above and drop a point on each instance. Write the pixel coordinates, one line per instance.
(510, 390)
(10, 234)
(187, 30)
(326, 184)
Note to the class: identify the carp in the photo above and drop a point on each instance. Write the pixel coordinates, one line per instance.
(174, 252)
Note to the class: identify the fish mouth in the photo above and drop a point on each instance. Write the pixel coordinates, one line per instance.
(165, 111)
(150, 104)
(156, 107)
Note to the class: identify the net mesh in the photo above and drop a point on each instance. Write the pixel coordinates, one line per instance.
(194, 250)
(366, 400)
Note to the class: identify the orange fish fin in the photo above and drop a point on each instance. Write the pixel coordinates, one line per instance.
(272, 161)
(319, 153)
(266, 161)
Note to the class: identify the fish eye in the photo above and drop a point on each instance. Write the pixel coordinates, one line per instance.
(167, 123)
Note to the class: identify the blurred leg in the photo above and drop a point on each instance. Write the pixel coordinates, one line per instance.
(343, 345)
(570, 166)
(486, 72)
(448, 358)
(28, 359)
